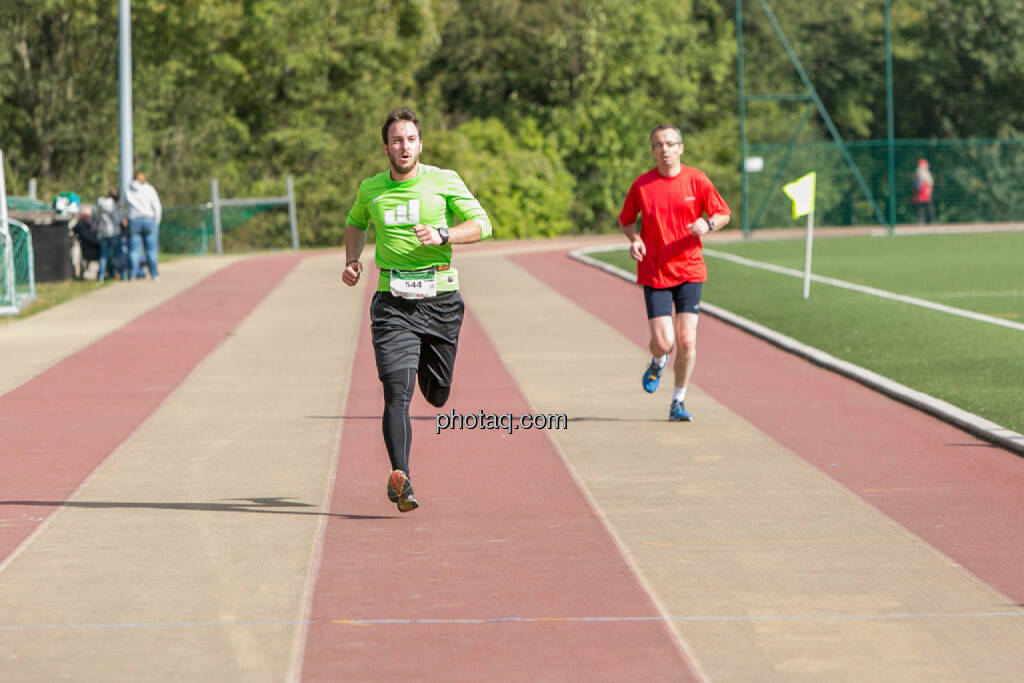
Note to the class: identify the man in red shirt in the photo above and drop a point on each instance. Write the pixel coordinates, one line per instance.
(672, 200)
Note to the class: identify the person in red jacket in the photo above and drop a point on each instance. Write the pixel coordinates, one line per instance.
(923, 184)
(677, 205)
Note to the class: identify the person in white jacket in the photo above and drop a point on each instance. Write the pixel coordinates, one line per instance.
(142, 210)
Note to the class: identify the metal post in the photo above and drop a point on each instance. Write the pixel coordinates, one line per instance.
(891, 123)
(782, 166)
(5, 235)
(807, 255)
(292, 221)
(809, 87)
(742, 119)
(215, 196)
(124, 26)
(3, 196)
(32, 188)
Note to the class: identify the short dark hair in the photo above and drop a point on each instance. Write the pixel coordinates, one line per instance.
(665, 126)
(400, 114)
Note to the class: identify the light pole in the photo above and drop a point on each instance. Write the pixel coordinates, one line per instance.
(124, 26)
(890, 123)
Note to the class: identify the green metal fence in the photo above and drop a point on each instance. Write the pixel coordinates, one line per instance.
(190, 230)
(976, 181)
(26, 204)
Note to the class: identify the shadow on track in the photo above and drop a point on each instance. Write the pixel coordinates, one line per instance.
(267, 506)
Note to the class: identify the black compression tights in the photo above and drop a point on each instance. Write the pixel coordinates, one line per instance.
(397, 428)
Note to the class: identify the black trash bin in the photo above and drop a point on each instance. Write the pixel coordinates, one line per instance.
(51, 243)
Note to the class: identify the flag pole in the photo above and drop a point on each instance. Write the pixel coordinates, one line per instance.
(802, 191)
(807, 255)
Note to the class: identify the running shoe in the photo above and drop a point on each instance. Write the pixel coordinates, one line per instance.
(400, 491)
(652, 377)
(677, 412)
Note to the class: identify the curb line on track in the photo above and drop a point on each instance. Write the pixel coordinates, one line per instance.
(969, 422)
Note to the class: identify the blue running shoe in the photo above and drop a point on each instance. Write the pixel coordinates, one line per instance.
(677, 413)
(652, 377)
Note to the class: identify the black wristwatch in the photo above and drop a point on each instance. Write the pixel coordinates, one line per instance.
(711, 224)
(443, 232)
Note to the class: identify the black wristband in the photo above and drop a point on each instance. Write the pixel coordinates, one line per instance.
(355, 260)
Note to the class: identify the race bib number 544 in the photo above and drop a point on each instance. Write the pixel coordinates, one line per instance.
(413, 284)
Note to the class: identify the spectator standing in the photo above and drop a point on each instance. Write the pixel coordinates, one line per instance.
(110, 236)
(142, 210)
(923, 185)
(88, 240)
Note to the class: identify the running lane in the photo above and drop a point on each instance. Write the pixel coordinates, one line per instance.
(61, 425)
(963, 496)
(504, 573)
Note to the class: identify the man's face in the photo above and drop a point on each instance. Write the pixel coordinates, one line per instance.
(666, 148)
(403, 146)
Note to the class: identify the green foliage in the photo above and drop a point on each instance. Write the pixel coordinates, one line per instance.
(543, 105)
(519, 179)
(597, 76)
(55, 62)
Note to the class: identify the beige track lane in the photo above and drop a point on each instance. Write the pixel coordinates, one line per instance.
(32, 345)
(767, 569)
(186, 557)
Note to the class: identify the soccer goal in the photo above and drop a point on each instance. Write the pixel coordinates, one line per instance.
(18, 286)
(17, 272)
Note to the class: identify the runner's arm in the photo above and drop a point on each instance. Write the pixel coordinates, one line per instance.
(355, 240)
(702, 227)
(476, 224)
(637, 248)
(721, 220)
(466, 232)
(627, 222)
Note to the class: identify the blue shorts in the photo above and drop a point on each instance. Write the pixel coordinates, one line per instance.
(686, 297)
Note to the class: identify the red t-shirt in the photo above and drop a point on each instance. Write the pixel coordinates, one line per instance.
(668, 206)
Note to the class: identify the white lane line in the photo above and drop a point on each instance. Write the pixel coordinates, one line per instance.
(525, 620)
(982, 294)
(842, 284)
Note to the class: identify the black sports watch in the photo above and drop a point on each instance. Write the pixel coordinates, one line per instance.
(443, 232)
(711, 224)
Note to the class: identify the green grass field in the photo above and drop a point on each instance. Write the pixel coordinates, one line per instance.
(975, 365)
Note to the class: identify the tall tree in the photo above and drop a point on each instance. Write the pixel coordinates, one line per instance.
(55, 80)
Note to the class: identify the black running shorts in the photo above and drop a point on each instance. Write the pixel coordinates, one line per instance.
(685, 296)
(421, 334)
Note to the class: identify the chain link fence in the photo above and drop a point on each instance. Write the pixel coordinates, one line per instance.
(976, 181)
(190, 229)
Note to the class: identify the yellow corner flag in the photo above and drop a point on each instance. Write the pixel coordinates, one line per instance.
(801, 191)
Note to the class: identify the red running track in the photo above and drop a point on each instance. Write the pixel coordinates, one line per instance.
(61, 425)
(963, 496)
(493, 576)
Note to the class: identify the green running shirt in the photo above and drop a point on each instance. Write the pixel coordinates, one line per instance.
(436, 197)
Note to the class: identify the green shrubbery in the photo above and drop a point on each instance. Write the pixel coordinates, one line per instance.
(544, 107)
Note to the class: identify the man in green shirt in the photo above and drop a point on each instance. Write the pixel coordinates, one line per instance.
(418, 212)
